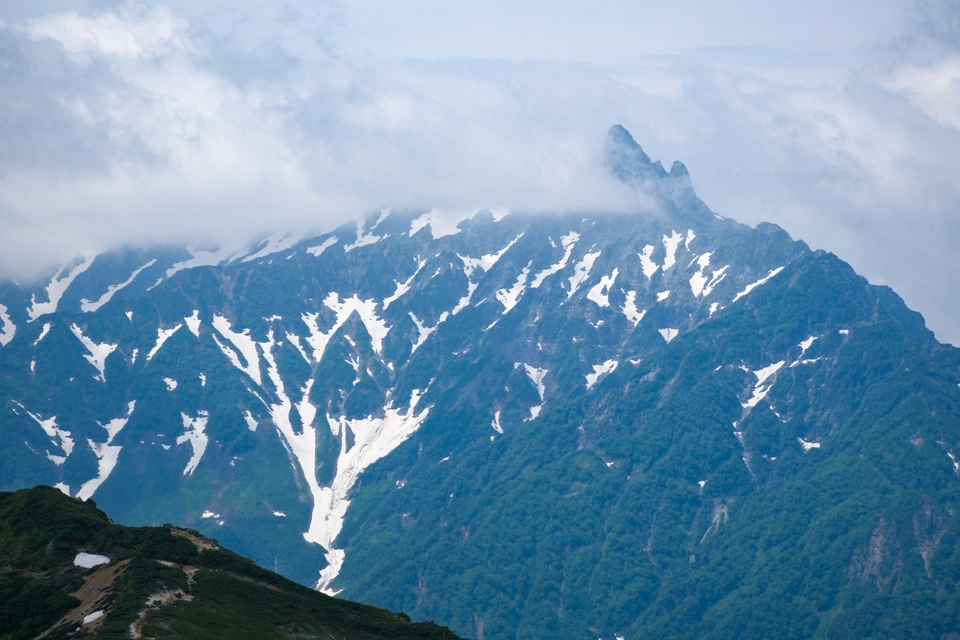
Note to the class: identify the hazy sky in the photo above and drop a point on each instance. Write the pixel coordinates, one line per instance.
(146, 122)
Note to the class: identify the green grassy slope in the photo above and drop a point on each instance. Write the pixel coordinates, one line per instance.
(197, 589)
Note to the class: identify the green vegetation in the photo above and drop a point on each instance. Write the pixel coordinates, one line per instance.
(198, 590)
(590, 522)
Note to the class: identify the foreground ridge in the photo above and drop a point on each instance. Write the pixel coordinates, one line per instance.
(69, 572)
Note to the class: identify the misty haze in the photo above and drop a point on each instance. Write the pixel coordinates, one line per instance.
(366, 320)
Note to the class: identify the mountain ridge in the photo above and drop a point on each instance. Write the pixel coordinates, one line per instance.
(163, 582)
(522, 426)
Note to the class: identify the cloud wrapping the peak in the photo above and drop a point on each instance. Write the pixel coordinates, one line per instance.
(129, 122)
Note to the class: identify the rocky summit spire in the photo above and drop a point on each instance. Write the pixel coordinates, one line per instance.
(626, 160)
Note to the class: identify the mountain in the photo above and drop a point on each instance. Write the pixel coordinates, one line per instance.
(68, 571)
(663, 424)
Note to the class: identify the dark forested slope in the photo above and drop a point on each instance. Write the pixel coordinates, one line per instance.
(67, 571)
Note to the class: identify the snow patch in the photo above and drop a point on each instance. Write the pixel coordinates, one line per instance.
(402, 288)
(323, 246)
(424, 332)
(362, 240)
(441, 224)
(485, 262)
(808, 445)
(372, 438)
(598, 370)
(162, 336)
(193, 323)
(64, 488)
(8, 329)
(275, 244)
(671, 243)
(87, 306)
(465, 300)
(699, 280)
(58, 285)
(496, 423)
(280, 514)
(509, 297)
(580, 272)
(43, 333)
(171, 383)
(98, 352)
(366, 309)
(536, 376)
(715, 279)
(668, 334)
(762, 388)
(806, 344)
(201, 258)
(106, 453)
(690, 236)
(58, 437)
(568, 241)
(601, 291)
(194, 434)
(384, 214)
(751, 287)
(844, 332)
(630, 310)
(250, 420)
(646, 261)
(93, 617)
(663, 295)
(244, 343)
(90, 560)
(470, 265)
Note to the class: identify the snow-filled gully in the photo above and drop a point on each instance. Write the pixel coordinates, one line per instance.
(372, 437)
(762, 388)
(58, 437)
(484, 262)
(98, 352)
(536, 376)
(107, 453)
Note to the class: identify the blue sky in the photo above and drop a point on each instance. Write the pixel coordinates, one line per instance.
(142, 122)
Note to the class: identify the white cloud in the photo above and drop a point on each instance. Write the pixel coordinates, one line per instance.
(195, 120)
(934, 89)
(133, 31)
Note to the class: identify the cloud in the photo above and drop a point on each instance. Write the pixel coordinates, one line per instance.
(126, 123)
(131, 32)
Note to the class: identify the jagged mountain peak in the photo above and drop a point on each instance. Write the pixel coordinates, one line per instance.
(626, 160)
